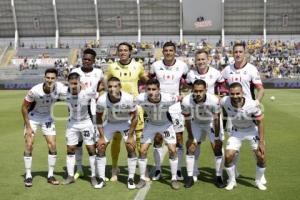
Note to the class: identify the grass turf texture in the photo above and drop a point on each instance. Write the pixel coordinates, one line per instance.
(282, 136)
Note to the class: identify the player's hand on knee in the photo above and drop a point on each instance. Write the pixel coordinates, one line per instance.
(101, 143)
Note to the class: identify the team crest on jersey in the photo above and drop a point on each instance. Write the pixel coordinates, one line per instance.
(231, 72)
(161, 68)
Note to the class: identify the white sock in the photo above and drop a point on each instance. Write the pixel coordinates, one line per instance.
(92, 160)
(259, 173)
(131, 166)
(173, 165)
(28, 163)
(158, 157)
(70, 164)
(219, 165)
(101, 163)
(180, 157)
(190, 161)
(78, 153)
(197, 155)
(231, 173)
(51, 164)
(142, 166)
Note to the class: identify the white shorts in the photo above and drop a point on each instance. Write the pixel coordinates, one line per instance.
(111, 128)
(200, 131)
(47, 126)
(77, 131)
(166, 130)
(234, 142)
(177, 117)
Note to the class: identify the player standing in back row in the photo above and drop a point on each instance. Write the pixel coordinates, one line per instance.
(169, 73)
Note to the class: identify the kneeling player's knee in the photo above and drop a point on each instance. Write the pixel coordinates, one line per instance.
(179, 139)
(228, 160)
(218, 152)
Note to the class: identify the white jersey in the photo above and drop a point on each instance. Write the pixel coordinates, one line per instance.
(242, 118)
(116, 112)
(201, 113)
(90, 79)
(246, 76)
(211, 77)
(42, 102)
(78, 104)
(157, 113)
(169, 76)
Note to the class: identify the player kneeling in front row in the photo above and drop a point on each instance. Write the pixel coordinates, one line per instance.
(241, 111)
(156, 106)
(202, 118)
(122, 117)
(79, 125)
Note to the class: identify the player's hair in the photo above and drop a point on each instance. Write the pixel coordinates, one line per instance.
(114, 79)
(90, 51)
(239, 44)
(51, 70)
(235, 85)
(199, 82)
(153, 81)
(126, 44)
(73, 75)
(201, 51)
(169, 44)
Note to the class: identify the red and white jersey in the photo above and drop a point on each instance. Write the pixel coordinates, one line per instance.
(157, 113)
(42, 102)
(246, 76)
(169, 76)
(78, 104)
(201, 113)
(211, 77)
(90, 79)
(242, 118)
(116, 112)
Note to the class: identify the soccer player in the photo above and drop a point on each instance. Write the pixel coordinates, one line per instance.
(214, 81)
(79, 125)
(129, 72)
(156, 106)
(90, 77)
(169, 73)
(36, 112)
(120, 109)
(202, 117)
(247, 120)
(246, 74)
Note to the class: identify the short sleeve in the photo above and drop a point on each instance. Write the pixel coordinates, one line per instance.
(30, 96)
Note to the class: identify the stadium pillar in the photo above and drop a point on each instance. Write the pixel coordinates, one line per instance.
(97, 22)
(139, 21)
(222, 21)
(265, 22)
(56, 24)
(181, 23)
(15, 23)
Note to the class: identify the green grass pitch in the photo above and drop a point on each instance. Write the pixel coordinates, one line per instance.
(282, 122)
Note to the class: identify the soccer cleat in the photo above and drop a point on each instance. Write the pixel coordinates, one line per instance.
(100, 184)
(260, 186)
(175, 184)
(219, 182)
(189, 182)
(130, 184)
(263, 180)
(114, 174)
(94, 181)
(195, 178)
(52, 180)
(69, 180)
(78, 174)
(179, 175)
(230, 185)
(141, 184)
(28, 182)
(157, 175)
